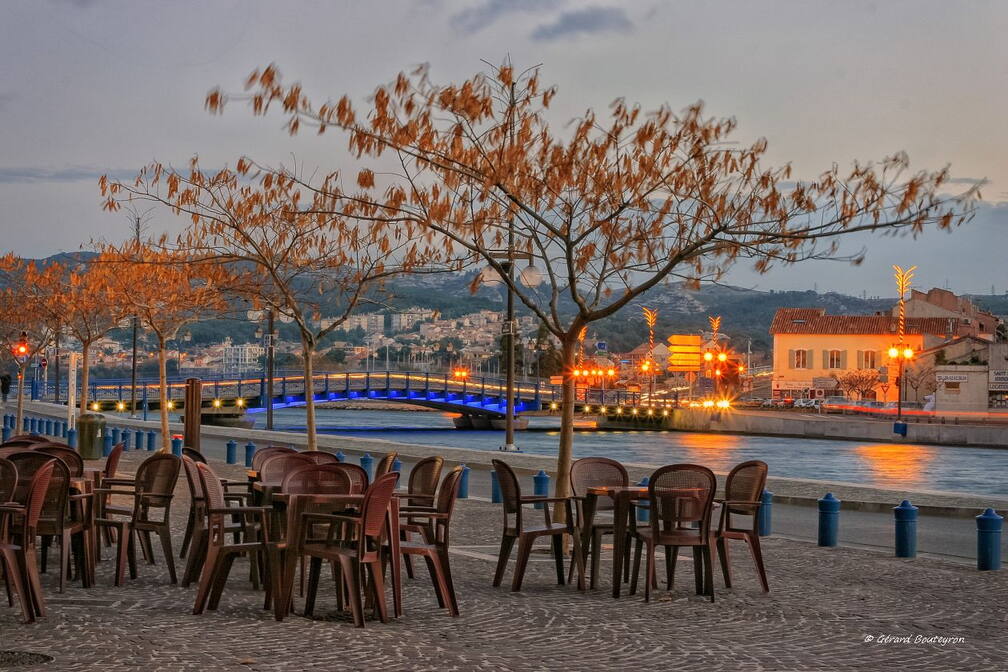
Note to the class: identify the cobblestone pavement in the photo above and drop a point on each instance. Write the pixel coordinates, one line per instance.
(823, 606)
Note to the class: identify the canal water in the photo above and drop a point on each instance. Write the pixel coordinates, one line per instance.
(885, 465)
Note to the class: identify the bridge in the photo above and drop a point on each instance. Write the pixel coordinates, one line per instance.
(478, 398)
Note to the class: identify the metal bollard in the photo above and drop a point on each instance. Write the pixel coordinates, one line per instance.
(250, 449)
(106, 447)
(232, 452)
(643, 505)
(829, 520)
(495, 495)
(115, 434)
(765, 514)
(463, 491)
(6, 433)
(396, 464)
(72, 438)
(540, 486)
(340, 457)
(125, 440)
(150, 441)
(905, 517)
(989, 525)
(48, 427)
(367, 462)
(176, 446)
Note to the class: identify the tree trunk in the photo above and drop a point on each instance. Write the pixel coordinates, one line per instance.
(163, 395)
(19, 421)
(566, 449)
(307, 352)
(85, 366)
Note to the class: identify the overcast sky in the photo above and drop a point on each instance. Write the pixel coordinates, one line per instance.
(90, 87)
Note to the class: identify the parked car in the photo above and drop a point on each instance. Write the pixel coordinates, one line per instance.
(807, 403)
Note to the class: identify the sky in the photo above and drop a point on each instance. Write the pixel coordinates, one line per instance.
(92, 87)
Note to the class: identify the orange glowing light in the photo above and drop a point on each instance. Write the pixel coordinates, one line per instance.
(722, 357)
(893, 352)
(708, 356)
(908, 353)
(611, 372)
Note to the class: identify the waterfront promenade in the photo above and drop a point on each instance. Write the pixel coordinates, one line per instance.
(828, 609)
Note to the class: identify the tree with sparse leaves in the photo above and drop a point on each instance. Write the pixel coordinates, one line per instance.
(858, 381)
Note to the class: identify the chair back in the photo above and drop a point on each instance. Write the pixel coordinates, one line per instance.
(156, 478)
(680, 495)
(213, 493)
(745, 483)
(423, 480)
(112, 461)
(35, 502)
(317, 479)
(385, 464)
(196, 493)
(54, 508)
(357, 474)
(27, 462)
(447, 495)
(69, 456)
(595, 472)
(264, 454)
(375, 506)
(276, 467)
(8, 480)
(509, 488)
(24, 439)
(320, 456)
(193, 454)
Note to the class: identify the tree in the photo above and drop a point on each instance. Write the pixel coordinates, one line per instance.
(858, 381)
(165, 290)
(920, 376)
(607, 211)
(294, 260)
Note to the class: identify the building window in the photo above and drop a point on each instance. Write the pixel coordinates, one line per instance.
(800, 360)
(835, 359)
(951, 388)
(868, 360)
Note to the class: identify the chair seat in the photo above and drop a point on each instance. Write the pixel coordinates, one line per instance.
(416, 548)
(674, 538)
(336, 550)
(538, 531)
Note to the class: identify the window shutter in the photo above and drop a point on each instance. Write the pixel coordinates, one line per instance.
(843, 359)
(809, 354)
(825, 359)
(790, 359)
(860, 359)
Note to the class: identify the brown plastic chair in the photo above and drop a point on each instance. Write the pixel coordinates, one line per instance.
(526, 535)
(358, 476)
(8, 480)
(320, 456)
(22, 440)
(743, 493)
(107, 479)
(592, 472)
(384, 465)
(18, 561)
(680, 496)
(362, 547)
(219, 554)
(422, 487)
(194, 541)
(434, 547)
(317, 479)
(264, 454)
(153, 490)
(70, 457)
(275, 467)
(193, 454)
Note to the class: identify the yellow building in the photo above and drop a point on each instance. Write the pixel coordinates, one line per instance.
(812, 349)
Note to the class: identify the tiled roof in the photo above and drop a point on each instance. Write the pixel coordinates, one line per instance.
(816, 321)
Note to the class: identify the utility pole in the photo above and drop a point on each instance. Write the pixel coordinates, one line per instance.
(270, 351)
(137, 221)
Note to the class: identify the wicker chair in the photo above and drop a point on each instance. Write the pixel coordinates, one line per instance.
(107, 479)
(17, 544)
(275, 467)
(320, 456)
(422, 487)
(264, 454)
(196, 527)
(384, 465)
(680, 496)
(8, 480)
(152, 491)
(590, 472)
(743, 492)
(526, 535)
(220, 554)
(434, 548)
(364, 546)
(357, 474)
(73, 460)
(193, 454)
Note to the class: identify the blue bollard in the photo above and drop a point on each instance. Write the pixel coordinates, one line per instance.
(25, 424)
(495, 494)
(463, 491)
(150, 441)
(232, 452)
(340, 457)
(138, 439)
(765, 514)
(106, 448)
(250, 449)
(989, 525)
(48, 427)
(643, 505)
(176, 446)
(905, 517)
(125, 440)
(33, 425)
(6, 420)
(6, 433)
(115, 434)
(829, 520)
(540, 486)
(367, 462)
(65, 428)
(72, 438)
(396, 464)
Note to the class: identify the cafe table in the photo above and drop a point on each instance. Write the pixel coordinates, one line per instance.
(82, 491)
(622, 496)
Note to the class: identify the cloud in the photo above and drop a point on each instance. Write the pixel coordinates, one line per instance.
(483, 15)
(590, 20)
(26, 174)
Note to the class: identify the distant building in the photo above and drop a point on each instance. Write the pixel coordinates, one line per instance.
(974, 382)
(370, 323)
(240, 359)
(812, 349)
(962, 317)
(409, 318)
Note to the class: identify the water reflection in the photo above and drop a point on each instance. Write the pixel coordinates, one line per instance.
(895, 464)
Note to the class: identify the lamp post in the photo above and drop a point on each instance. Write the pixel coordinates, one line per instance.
(902, 354)
(268, 344)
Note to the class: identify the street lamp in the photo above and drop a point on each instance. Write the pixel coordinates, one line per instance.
(901, 354)
(268, 344)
